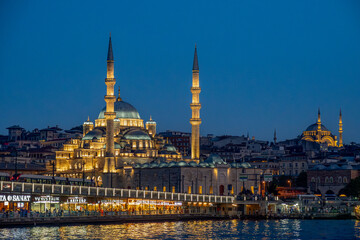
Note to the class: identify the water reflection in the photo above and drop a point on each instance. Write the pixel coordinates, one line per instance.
(231, 229)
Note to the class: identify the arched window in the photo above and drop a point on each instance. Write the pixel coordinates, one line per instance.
(331, 179)
(318, 179)
(339, 179)
(312, 179)
(345, 180)
(327, 180)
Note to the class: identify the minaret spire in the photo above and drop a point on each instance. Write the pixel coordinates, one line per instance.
(110, 56)
(275, 136)
(119, 98)
(195, 63)
(319, 120)
(110, 115)
(340, 130)
(195, 120)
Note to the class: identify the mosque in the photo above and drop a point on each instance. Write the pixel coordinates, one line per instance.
(319, 134)
(119, 151)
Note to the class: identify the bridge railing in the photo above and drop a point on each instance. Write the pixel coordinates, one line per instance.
(73, 190)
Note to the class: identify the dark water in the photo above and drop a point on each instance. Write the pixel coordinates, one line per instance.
(230, 229)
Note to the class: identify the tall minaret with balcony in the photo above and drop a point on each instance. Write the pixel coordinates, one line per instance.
(110, 115)
(195, 107)
(340, 130)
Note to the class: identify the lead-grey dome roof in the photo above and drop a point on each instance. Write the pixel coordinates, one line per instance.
(96, 133)
(314, 127)
(122, 110)
(137, 134)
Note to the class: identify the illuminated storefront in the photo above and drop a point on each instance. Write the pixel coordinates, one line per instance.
(45, 203)
(14, 202)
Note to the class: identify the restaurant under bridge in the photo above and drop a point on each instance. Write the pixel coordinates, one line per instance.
(19, 200)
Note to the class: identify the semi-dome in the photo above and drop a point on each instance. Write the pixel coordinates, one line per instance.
(116, 146)
(319, 167)
(245, 165)
(122, 110)
(193, 164)
(169, 147)
(333, 167)
(348, 167)
(182, 164)
(163, 164)
(172, 164)
(314, 127)
(96, 133)
(215, 159)
(137, 134)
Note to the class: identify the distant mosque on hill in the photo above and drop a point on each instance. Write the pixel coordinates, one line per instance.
(319, 134)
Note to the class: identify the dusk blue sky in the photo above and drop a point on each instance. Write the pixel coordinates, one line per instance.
(263, 64)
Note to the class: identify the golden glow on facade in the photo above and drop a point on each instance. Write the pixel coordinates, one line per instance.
(321, 135)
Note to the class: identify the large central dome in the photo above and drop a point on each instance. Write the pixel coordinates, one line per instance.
(122, 110)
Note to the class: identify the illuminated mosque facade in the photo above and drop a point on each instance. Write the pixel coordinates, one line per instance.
(119, 151)
(319, 134)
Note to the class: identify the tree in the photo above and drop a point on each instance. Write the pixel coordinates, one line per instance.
(301, 180)
(352, 189)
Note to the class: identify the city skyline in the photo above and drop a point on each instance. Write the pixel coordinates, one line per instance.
(241, 92)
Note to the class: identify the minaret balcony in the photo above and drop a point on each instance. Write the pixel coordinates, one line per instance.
(195, 121)
(195, 106)
(195, 90)
(110, 99)
(110, 80)
(110, 115)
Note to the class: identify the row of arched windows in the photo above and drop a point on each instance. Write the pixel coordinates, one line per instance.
(339, 179)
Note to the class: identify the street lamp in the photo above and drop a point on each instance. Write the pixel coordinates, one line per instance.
(83, 172)
(289, 182)
(52, 163)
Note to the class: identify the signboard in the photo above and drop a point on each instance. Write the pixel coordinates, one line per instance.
(243, 178)
(268, 178)
(76, 200)
(15, 198)
(46, 199)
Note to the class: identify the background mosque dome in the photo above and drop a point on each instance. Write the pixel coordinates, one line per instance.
(314, 127)
(122, 110)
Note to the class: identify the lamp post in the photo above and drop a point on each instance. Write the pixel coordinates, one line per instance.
(205, 186)
(83, 172)
(289, 182)
(52, 163)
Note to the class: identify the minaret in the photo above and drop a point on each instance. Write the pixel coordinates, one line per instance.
(110, 114)
(119, 98)
(275, 137)
(340, 130)
(151, 127)
(195, 107)
(318, 127)
(87, 126)
(319, 120)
